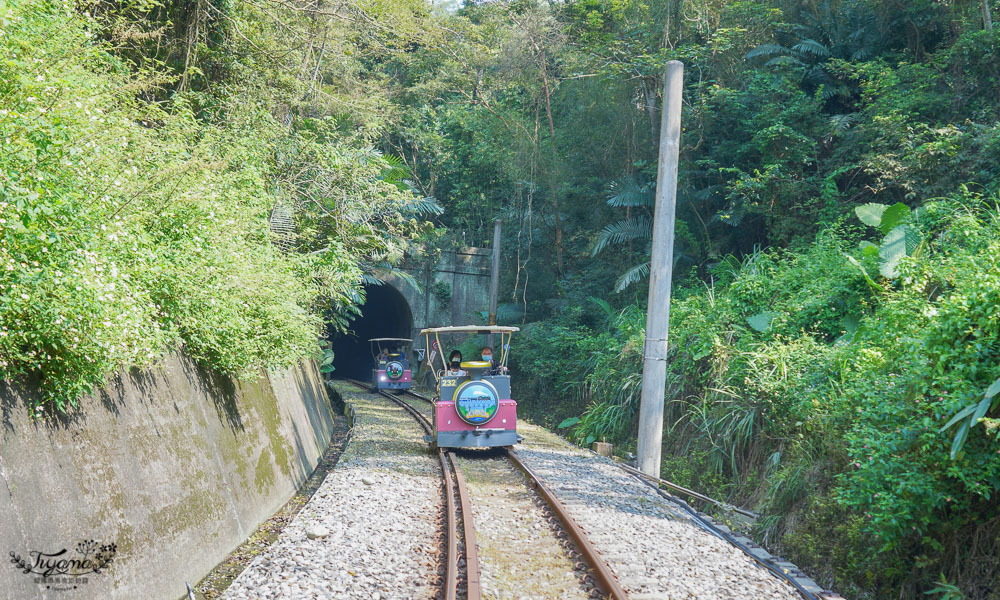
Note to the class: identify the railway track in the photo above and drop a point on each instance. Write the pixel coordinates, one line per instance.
(606, 582)
(604, 579)
(454, 481)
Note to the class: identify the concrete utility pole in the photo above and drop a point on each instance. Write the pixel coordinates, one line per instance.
(654, 361)
(494, 282)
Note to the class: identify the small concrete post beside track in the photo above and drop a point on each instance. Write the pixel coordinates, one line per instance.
(494, 281)
(654, 364)
(603, 448)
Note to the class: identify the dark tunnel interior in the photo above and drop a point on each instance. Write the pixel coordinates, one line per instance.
(384, 314)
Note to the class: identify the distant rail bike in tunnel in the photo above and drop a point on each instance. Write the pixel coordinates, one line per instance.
(385, 314)
(392, 363)
(473, 407)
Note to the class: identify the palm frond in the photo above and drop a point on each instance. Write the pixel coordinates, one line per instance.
(425, 206)
(633, 275)
(396, 171)
(393, 161)
(603, 305)
(812, 47)
(862, 54)
(377, 274)
(638, 227)
(784, 60)
(702, 195)
(357, 297)
(390, 271)
(766, 50)
(817, 75)
(368, 279)
(628, 190)
(732, 215)
(843, 122)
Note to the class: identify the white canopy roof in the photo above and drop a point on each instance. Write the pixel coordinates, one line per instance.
(390, 340)
(470, 329)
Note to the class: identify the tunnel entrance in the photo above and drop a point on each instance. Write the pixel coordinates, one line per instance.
(384, 314)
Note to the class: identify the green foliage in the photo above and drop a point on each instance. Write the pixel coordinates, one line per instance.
(871, 213)
(326, 362)
(568, 422)
(762, 321)
(900, 241)
(972, 415)
(442, 292)
(132, 227)
(819, 270)
(794, 381)
(946, 591)
(147, 146)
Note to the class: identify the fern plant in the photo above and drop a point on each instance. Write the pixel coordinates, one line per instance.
(847, 30)
(630, 192)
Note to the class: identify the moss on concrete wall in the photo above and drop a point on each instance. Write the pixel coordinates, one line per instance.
(174, 464)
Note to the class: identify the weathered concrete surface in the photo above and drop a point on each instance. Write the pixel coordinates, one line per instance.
(466, 273)
(173, 464)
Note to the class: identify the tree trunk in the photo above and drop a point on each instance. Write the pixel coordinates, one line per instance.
(650, 95)
(319, 62)
(987, 16)
(192, 39)
(560, 266)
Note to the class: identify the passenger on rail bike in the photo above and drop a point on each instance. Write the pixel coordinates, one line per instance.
(455, 364)
(487, 353)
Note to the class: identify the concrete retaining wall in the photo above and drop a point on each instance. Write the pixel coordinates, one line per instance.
(174, 464)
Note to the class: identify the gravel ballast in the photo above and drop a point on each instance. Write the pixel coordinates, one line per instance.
(654, 547)
(374, 527)
(372, 530)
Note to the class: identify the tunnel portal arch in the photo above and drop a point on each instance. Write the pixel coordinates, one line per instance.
(385, 313)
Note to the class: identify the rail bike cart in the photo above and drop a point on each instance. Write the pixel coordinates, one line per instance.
(473, 409)
(392, 367)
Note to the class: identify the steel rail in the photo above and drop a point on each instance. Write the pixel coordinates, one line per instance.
(683, 490)
(472, 575)
(606, 580)
(448, 466)
(473, 586)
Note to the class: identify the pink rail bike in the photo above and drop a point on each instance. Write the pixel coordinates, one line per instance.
(473, 407)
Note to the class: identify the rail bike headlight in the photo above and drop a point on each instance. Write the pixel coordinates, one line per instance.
(381, 378)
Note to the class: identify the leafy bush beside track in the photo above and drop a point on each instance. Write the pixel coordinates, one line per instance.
(827, 415)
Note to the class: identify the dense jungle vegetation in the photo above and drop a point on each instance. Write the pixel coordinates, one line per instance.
(226, 175)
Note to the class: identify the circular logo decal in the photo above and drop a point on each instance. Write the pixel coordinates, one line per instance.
(394, 370)
(476, 402)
